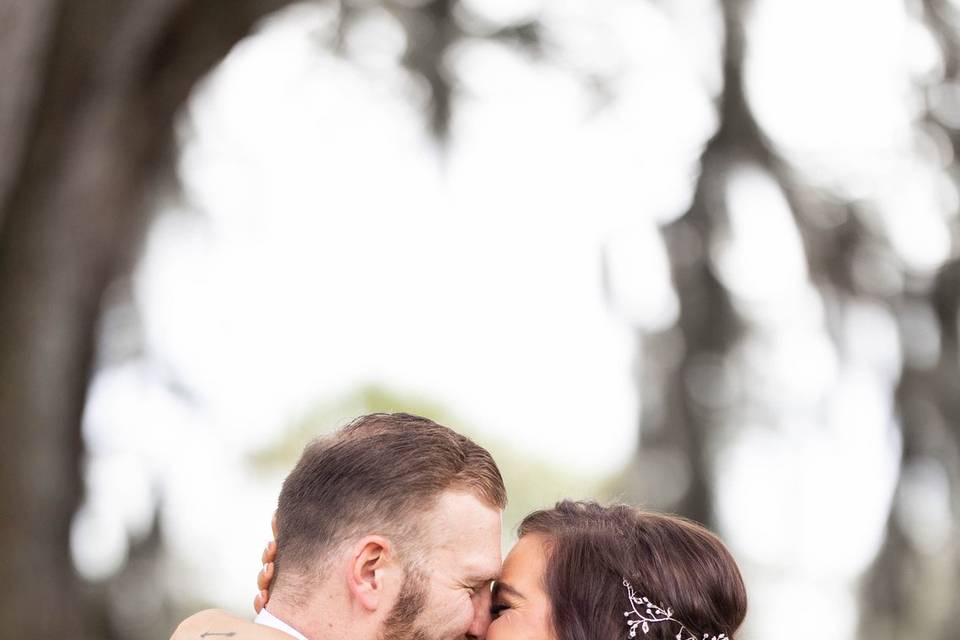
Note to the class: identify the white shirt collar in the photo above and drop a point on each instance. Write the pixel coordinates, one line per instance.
(267, 619)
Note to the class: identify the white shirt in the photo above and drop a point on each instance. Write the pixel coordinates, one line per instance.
(267, 619)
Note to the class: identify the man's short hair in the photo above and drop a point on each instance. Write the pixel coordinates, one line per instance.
(374, 475)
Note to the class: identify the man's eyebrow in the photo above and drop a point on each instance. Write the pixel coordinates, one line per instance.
(481, 578)
(503, 587)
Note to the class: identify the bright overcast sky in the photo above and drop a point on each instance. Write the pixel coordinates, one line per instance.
(335, 248)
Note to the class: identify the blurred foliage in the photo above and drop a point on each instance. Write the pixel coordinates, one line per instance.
(532, 482)
(329, 416)
(432, 29)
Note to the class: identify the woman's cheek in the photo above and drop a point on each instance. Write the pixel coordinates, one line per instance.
(497, 630)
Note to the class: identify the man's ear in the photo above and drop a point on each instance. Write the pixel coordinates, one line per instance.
(370, 560)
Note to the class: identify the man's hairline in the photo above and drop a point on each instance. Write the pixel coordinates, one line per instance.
(402, 538)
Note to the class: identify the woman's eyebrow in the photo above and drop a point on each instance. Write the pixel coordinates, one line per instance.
(503, 587)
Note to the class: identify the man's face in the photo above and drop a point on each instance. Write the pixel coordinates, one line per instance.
(446, 596)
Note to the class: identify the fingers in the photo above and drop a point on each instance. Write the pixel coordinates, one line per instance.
(260, 600)
(265, 577)
(269, 552)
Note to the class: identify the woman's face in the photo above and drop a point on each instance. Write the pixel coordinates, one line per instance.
(521, 608)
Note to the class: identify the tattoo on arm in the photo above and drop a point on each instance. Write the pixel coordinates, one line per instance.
(228, 634)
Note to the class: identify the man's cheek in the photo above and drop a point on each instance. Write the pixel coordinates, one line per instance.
(464, 617)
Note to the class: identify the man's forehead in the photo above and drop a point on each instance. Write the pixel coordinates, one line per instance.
(480, 565)
(460, 511)
(467, 531)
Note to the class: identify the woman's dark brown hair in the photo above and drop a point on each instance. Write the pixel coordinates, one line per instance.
(592, 549)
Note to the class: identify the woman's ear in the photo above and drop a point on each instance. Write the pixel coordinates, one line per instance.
(370, 558)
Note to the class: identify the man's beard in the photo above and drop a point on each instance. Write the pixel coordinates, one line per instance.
(401, 622)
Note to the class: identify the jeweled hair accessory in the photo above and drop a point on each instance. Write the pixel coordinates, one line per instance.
(654, 614)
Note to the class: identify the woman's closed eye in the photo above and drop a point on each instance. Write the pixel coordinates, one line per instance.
(497, 608)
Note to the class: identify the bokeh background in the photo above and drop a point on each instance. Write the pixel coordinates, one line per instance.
(700, 255)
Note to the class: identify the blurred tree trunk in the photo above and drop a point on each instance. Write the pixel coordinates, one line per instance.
(910, 591)
(907, 592)
(683, 385)
(90, 90)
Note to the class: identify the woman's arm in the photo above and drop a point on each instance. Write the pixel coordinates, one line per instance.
(214, 624)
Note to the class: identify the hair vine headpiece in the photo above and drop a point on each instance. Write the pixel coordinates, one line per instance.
(653, 614)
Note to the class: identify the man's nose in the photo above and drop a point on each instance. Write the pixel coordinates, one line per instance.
(481, 615)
